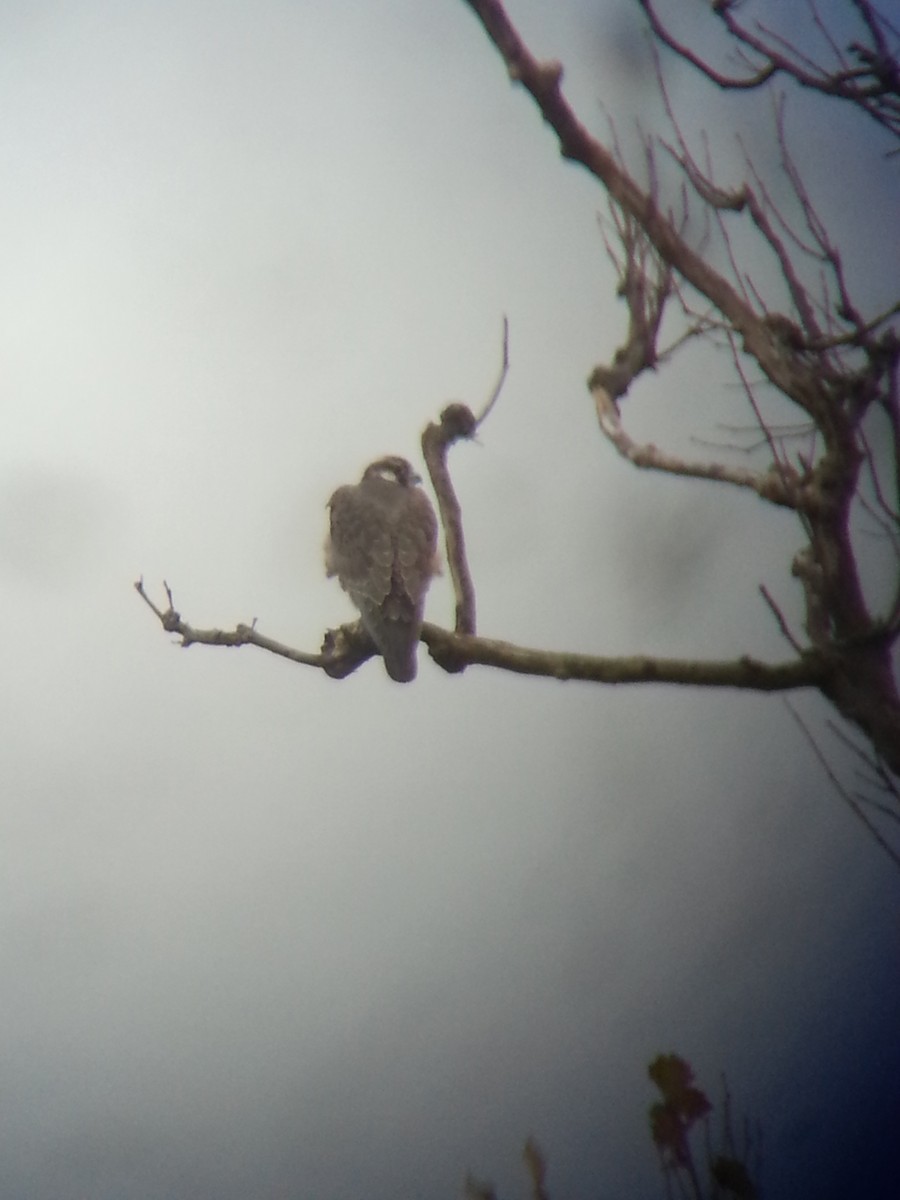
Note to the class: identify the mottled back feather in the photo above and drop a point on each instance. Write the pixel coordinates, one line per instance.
(383, 537)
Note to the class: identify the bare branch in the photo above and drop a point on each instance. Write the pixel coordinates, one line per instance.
(849, 800)
(790, 480)
(334, 662)
(860, 336)
(501, 378)
(778, 433)
(872, 85)
(809, 361)
(759, 77)
(880, 777)
(776, 485)
(809, 670)
(458, 422)
(787, 371)
(350, 648)
(780, 618)
(824, 356)
(765, 216)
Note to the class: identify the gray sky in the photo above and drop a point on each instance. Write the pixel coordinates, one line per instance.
(268, 935)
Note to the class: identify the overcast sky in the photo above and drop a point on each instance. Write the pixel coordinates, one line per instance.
(269, 935)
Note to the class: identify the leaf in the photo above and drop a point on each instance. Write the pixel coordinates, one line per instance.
(674, 1077)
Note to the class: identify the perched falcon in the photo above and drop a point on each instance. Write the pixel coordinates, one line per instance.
(382, 546)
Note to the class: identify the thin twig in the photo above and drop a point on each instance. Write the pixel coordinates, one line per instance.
(343, 657)
(501, 378)
(780, 618)
(841, 790)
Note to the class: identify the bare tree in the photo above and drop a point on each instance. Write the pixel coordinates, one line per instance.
(865, 72)
(833, 363)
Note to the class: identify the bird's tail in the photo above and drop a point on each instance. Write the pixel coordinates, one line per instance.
(398, 649)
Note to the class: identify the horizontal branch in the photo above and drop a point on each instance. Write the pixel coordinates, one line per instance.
(347, 648)
(809, 670)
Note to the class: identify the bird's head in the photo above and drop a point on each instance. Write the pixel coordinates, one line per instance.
(394, 469)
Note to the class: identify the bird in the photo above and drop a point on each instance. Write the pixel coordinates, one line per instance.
(382, 546)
